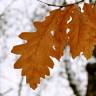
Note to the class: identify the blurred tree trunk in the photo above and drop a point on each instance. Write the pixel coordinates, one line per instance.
(91, 69)
(91, 91)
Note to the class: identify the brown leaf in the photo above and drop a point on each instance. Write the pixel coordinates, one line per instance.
(35, 59)
(82, 35)
(51, 38)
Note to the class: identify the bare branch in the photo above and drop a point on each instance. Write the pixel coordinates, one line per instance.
(20, 87)
(6, 92)
(64, 4)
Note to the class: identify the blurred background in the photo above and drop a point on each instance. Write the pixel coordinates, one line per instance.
(68, 77)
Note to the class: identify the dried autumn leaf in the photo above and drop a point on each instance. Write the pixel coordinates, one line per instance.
(51, 38)
(35, 59)
(82, 35)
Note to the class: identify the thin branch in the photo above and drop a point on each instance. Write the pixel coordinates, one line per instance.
(64, 4)
(9, 90)
(6, 92)
(20, 87)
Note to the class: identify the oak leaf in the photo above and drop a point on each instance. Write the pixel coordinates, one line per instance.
(82, 35)
(35, 54)
(51, 37)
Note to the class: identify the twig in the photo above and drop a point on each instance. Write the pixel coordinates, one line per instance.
(6, 92)
(64, 4)
(9, 90)
(20, 87)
